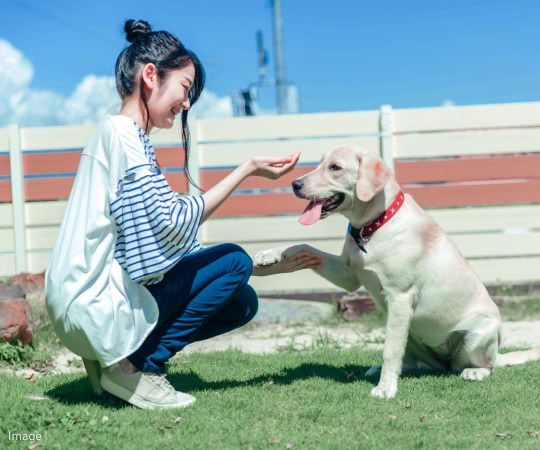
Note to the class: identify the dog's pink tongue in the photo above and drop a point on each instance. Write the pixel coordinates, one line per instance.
(312, 213)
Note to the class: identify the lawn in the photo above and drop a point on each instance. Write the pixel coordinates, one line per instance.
(311, 400)
(317, 398)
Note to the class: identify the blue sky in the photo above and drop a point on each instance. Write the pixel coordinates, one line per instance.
(342, 55)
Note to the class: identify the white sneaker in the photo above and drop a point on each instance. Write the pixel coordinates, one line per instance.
(94, 374)
(143, 389)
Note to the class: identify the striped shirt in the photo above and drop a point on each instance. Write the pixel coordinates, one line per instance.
(155, 227)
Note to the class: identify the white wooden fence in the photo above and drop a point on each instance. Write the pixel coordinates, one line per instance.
(501, 239)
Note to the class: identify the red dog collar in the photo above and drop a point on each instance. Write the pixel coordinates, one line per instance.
(362, 235)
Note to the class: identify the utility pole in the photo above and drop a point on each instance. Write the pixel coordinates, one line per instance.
(280, 70)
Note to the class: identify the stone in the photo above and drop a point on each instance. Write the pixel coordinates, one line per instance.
(15, 314)
(30, 281)
(354, 305)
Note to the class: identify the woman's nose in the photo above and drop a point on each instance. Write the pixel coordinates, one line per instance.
(186, 104)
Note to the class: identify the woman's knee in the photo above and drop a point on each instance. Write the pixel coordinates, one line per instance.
(239, 260)
(249, 301)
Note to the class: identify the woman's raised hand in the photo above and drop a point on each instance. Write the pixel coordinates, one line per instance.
(272, 167)
(262, 166)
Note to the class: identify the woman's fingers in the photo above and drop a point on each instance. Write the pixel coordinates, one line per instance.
(285, 160)
(271, 167)
(303, 261)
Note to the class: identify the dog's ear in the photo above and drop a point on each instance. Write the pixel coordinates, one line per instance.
(373, 175)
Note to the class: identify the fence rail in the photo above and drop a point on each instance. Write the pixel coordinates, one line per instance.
(477, 169)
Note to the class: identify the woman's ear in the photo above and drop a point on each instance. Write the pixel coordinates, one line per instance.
(373, 175)
(149, 75)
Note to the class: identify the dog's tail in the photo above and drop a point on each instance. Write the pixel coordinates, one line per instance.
(515, 358)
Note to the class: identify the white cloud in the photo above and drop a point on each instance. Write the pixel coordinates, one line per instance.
(209, 105)
(94, 97)
(15, 70)
(34, 108)
(15, 74)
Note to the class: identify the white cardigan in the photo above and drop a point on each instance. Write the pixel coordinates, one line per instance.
(123, 228)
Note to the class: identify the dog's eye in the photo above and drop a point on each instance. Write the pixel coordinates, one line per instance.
(335, 167)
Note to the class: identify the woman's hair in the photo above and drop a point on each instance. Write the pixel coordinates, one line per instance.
(167, 53)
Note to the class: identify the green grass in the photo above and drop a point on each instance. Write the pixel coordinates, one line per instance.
(304, 400)
(521, 310)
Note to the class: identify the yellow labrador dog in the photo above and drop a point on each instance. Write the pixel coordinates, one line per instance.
(438, 312)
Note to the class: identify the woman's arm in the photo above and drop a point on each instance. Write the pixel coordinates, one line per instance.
(261, 166)
(267, 167)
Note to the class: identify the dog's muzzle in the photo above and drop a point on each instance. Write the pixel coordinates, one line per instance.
(297, 186)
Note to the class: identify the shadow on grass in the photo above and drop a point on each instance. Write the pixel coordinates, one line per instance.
(79, 391)
(191, 381)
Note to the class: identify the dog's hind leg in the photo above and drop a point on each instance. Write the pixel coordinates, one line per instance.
(475, 356)
(420, 356)
(417, 357)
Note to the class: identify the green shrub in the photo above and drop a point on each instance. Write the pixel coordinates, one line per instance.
(15, 352)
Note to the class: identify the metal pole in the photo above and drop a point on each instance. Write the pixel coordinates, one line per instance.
(387, 136)
(280, 70)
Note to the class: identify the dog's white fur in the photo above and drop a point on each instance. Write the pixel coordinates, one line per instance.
(439, 314)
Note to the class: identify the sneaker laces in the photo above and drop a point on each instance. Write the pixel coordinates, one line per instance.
(160, 381)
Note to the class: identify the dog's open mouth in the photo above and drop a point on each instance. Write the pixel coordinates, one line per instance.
(320, 209)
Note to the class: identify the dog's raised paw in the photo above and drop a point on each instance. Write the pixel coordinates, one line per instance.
(266, 257)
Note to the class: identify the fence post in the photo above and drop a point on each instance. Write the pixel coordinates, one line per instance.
(387, 137)
(17, 197)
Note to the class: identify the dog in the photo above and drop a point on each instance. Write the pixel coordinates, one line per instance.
(438, 313)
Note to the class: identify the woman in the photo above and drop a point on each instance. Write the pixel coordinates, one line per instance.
(128, 285)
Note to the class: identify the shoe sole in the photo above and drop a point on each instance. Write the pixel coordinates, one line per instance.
(93, 370)
(135, 399)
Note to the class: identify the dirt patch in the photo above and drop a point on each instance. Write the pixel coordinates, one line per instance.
(267, 338)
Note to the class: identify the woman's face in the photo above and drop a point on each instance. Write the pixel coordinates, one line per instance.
(168, 96)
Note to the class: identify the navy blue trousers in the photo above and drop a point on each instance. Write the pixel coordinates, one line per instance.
(204, 295)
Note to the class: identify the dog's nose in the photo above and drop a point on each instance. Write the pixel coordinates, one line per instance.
(297, 185)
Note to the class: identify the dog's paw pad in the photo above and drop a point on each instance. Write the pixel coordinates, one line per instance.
(475, 374)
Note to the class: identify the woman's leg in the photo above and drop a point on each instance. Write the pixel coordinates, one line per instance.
(204, 295)
(241, 308)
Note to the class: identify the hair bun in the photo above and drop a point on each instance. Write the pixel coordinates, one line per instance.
(136, 28)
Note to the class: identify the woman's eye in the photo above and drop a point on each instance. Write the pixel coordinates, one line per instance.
(335, 167)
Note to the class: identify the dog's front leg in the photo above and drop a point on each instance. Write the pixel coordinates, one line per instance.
(334, 268)
(397, 331)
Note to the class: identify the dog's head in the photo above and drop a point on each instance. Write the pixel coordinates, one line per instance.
(345, 175)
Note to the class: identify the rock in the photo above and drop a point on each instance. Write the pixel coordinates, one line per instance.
(353, 305)
(10, 291)
(30, 281)
(15, 314)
